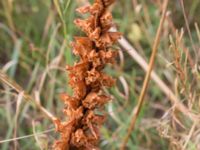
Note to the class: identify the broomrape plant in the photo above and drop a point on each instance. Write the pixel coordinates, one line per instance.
(81, 128)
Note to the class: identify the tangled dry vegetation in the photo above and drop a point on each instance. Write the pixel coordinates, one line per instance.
(181, 127)
(35, 48)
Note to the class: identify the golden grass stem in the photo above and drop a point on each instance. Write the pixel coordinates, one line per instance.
(147, 77)
(189, 136)
(27, 136)
(9, 82)
(187, 25)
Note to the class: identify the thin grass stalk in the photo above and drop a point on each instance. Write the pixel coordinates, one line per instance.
(9, 82)
(138, 107)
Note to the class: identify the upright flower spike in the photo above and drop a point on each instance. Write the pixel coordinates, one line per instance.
(81, 128)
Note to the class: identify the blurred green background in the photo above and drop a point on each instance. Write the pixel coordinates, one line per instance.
(35, 38)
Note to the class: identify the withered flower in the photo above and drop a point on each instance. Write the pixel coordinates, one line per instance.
(86, 77)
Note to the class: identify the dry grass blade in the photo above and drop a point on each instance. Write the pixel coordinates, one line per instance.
(189, 135)
(41, 140)
(5, 79)
(19, 101)
(163, 87)
(147, 77)
(7, 6)
(198, 32)
(187, 25)
(27, 136)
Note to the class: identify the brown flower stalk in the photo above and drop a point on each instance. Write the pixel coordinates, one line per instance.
(81, 130)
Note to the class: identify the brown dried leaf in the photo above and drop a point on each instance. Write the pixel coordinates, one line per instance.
(94, 35)
(93, 118)
(96, 9)
(107, 39)
(108, 56)
(106, 20)
(74, 114)
(77, 73)
(93, 100)
(107, 80)
(108, 2)
(80, 90)
(95, 59)
(78, 138)
(84, 9)
(82, 46)
(92, 76)
(70, 101)
(87, 25)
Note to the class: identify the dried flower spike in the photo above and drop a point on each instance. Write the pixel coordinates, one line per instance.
(86, 77)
